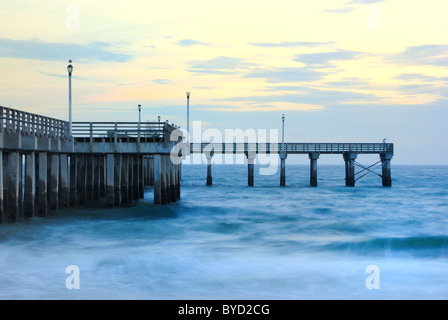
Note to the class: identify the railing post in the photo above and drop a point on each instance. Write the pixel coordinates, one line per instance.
(116, 137)
(1, 122)
(91, 137)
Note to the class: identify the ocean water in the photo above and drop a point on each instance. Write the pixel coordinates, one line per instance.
(230, 241)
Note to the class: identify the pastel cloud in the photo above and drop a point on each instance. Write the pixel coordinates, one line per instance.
(47, 51)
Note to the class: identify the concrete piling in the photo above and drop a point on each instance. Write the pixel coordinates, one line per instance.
(13, 185)
(72, 196)
(135, 179)
(130, 178)
(81, 178)
(110, 167)
(30, 178)
(2, 211)
(124, 178)
(314, 156)
(90, 177)
(386, 171)
(209, 170)
(283, 157)
(103, 176)
(42, 185)
(173, 192)
(349, 158)
(163, 188)
(63, 181)
(168, 179)
(96, 177)
(157, 179)
(117, 179)
(251, 168)
(141, 176)
(54, 181)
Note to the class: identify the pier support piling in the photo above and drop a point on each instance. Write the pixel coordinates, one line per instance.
(250, 168)
(54, 181)
(73, 182)
(349, 158)
(96, 177)
(141, 182)
(63, 181)
(314, 156)
(103, 176)
(157, 179)
(30, 177)
(2, 211)
(14, 166)
(163, 193)
(130, 178)
(209, 169)
(81, 179)
(386, 176)
(117, 179)
(90, 177)
(110, 167)
(283, 157)
(173, 192)
(135, 179)
(124, 178)
(42, 185)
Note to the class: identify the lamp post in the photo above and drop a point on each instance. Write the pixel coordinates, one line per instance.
(283, 156)
(70, 70)
(139, 116)
(188, 114)
(283, 132)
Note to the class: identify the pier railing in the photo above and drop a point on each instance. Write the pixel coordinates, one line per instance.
(115, 130)
(29, 124)
(292, 148)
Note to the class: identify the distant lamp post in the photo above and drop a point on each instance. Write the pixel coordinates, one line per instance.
(70, 70)
(283, 132)
(139, 116)
(188, 114)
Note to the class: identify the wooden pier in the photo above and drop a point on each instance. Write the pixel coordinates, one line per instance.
(349, 152)
(111, 160)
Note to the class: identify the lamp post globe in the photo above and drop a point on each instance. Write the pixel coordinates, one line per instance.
(70, 71)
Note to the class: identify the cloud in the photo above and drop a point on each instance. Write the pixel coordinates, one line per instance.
(433, 55)
(419, 77)
(162, 81)
(46, 51)
(324, 59)
(313, 62)
(219, 65)
(276, 75)
(289, 44)
(306, 96)
(190, 42)
(342, 10)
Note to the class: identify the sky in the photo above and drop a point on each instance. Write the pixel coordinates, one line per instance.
(340, 70)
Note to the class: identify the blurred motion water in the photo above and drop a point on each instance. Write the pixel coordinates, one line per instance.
(230, 241)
